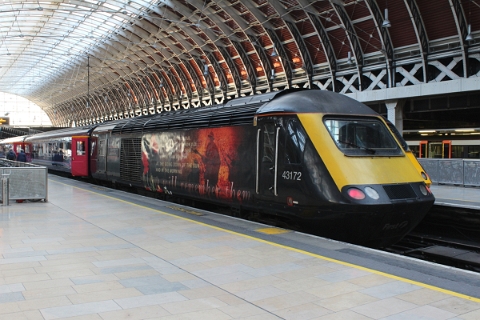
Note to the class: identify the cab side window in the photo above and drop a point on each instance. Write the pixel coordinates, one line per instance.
(268, 142)
(295, 142)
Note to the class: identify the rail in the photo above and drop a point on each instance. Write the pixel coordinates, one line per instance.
(26, 181)
(463, 172)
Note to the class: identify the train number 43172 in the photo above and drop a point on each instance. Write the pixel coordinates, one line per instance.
(292, 175)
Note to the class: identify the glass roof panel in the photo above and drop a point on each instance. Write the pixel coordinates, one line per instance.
(45, 42)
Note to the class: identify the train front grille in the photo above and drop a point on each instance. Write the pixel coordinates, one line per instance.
(400, 191)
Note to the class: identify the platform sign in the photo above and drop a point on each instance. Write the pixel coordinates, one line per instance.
(4, 121)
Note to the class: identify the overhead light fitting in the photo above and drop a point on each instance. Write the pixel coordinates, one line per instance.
(469, 33)
(386, 23)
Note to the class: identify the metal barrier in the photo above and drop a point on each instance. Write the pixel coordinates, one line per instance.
(23, 181)
(463, 172)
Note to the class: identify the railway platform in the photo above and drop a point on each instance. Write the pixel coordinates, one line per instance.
(96, 253)
(456, 196)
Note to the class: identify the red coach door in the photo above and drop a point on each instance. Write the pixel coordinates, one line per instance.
(79, 156)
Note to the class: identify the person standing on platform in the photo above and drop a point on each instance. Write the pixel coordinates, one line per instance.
(22, 157)
(11, 155)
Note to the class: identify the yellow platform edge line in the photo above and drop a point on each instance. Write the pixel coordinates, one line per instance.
(272, 230)
(391, 276)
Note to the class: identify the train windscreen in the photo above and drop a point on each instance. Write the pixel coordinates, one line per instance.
(362, 137)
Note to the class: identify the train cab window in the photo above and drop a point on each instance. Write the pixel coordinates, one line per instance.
(80, 148)
(295, 142)
(362, 137)
(268, 142)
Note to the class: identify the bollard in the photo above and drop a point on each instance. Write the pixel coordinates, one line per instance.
(5, 189)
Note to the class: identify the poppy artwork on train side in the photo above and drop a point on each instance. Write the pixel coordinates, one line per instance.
(214, 163)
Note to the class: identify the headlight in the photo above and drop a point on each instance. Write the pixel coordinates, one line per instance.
(423, 189)
(372, 193)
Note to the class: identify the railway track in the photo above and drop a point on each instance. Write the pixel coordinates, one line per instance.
(447, 236)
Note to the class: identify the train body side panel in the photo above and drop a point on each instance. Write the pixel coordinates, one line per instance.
(216, 163)
(351, 170)
(418, 166)
(113, 158)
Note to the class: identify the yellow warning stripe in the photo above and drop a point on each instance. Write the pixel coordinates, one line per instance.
(272, 230)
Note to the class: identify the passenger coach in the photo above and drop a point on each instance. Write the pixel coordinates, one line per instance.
(16, 144)
(63, 150)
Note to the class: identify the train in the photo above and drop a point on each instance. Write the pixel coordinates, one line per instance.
(312, 158)
(444, 143)
(16, 144)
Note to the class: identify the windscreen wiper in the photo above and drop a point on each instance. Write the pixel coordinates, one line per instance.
(370, 151)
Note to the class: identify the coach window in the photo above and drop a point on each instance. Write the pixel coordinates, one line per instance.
(295, 142)
(41, 149)
(473, 151)
(68, 150)
(457, 151)
(92, 148)
(80, 148)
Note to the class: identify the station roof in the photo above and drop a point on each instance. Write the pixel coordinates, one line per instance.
(90, 61)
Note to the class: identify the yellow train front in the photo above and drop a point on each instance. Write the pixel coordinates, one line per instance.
(333, 163)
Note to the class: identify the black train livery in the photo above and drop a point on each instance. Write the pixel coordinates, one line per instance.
(310, 157)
